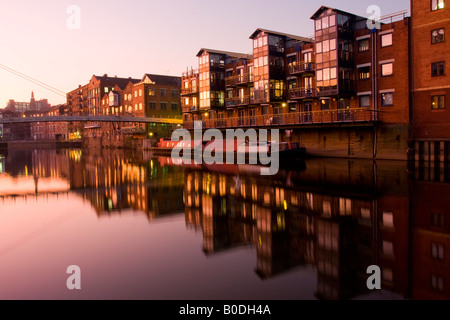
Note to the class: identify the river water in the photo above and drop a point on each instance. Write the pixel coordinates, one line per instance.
(142, 227)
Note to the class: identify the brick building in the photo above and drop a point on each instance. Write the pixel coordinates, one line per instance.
(345, 93)
(430, 83)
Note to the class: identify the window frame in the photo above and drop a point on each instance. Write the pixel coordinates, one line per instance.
(437, 5)
(381, 99)
(437, 75)
(381, 71)
(432, 37)
(438, 100)
(364, 96)
(384, 35)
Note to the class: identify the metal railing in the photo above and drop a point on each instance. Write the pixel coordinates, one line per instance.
(239, 79)
(357, 115)
(189, 90)
(302, 67)
(301, 93)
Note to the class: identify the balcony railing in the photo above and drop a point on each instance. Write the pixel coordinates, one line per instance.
(302, 93)
(239, 101)
(190, 90)
(295, 68)
(189, 108)
(357, 115)
(239, 79)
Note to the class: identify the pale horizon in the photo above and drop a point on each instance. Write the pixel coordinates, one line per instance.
(158, 37)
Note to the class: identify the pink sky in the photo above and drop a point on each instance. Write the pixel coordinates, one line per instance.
(130, 38)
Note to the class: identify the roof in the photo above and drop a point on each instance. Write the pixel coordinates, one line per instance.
(322, 8)
(162, 79)
(254, 34)
(112, 81)
(228, 53)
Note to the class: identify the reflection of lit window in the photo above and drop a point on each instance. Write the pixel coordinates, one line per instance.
(437, 283)
(387, 69)
(327, 208)
(365, 213)
(437, 220)
(437, 251)
(438, 36)
(387, 274)
(388, 248)
(388, 219)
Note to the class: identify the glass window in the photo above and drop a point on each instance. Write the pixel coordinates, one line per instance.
(438, 102)
(324, 22)
(386, 40)
(325, 104)
(319, 47)
(437, 5)
(387, 69)
(319, 75)
(318, 24)
(332, 44)
(332, 21)
(437, 283)
(162, 92)
(387, 99)
(326, 46)
(163, 105)
(363, 45)
(364, 101)
(364, 73)
(333, 73)
(438, 69)
(438, 36)
(174, 93)
(174, 106)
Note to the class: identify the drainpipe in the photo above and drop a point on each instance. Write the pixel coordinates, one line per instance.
(374, 89)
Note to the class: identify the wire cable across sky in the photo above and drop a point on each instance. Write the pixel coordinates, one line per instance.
(35, 81)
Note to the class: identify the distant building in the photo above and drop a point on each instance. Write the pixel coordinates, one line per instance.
(33, 105)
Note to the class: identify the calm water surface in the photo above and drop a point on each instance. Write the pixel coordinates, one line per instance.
(141, 227)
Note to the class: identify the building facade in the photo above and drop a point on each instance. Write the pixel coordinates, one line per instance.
(430, 83)
(344, 93)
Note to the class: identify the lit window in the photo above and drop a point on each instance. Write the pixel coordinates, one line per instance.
(386, 40)
(363, 45)
(364, 101)
(437, 5)
(140, 106)
(438, 102)
(140, 92)
(387, 69)
(388, 219)
(438, 36)
(387, 99)
(364, 73)
(151, 92)
(437, 251)
(437, 283)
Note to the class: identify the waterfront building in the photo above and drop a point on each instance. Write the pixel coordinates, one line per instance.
(332, 93)
(430, 81)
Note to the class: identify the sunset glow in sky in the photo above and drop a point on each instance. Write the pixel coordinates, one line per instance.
(130, 38)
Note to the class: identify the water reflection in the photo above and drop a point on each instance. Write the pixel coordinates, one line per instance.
(337, 216)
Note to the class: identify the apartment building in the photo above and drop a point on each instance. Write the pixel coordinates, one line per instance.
(430, 83)
(344, 92)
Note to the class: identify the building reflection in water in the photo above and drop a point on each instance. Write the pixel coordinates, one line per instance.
(339, 216)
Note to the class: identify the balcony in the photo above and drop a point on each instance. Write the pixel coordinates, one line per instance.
(305, 67)
(239, 101)
(240, 79)
(302, 93)
(190, 108)
(189, 91)
(326, 117)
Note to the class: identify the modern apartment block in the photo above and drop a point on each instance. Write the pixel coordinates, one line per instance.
(344, 93)
(430, 83)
